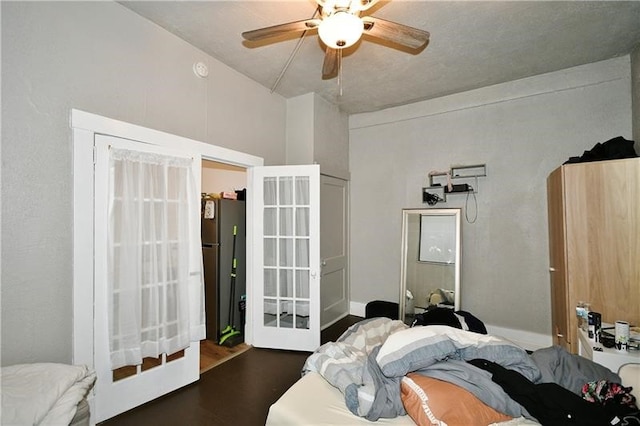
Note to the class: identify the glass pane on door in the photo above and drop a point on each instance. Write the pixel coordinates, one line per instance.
(286, 252)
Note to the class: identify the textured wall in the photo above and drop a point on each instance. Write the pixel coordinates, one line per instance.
(522, 131)
(318, 133)
(331, 135)
(635, 87)
(102, 58)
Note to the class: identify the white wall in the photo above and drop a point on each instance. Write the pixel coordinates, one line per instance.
(522, 130)
(102, 58)
(300, 118)
(331, 135)
(318, 133)
(635, 82)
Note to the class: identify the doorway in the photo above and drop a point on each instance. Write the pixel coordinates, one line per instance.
(88, 332)
(217, 179)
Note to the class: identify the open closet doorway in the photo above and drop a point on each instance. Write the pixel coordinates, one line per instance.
(223, 234)
(92, 162)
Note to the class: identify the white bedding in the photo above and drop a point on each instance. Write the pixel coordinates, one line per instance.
(43, 393)
(312, 401)
(370, 359)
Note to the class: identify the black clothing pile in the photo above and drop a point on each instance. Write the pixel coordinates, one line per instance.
(613, 149)
(554, 405)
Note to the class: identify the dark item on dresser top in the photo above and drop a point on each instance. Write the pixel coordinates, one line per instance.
(613, 149)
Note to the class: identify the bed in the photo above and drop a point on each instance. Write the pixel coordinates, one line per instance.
(46, 394)
(380, 370)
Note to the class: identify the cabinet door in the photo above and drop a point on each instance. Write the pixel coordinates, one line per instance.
(603, 236)
(560, 312)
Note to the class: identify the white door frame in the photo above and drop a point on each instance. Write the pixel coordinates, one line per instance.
(84, 127)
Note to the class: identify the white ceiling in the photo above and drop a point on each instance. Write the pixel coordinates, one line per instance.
(473, 44)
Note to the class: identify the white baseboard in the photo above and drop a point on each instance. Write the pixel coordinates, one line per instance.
(357, 309)
(525, 339)
(330, 323)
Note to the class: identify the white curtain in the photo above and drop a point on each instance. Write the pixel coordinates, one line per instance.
(155, 283)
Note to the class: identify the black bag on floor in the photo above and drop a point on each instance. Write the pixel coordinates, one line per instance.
(382, 308)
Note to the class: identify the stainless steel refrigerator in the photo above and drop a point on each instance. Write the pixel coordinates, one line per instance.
(217, 255)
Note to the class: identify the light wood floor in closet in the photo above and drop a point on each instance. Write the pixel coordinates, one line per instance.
(212, 354)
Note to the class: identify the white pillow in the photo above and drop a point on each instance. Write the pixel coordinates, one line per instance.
(419, 347)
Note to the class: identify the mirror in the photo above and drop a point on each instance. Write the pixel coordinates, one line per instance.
(430, 273)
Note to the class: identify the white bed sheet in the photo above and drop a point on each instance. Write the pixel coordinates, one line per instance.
(312, 401)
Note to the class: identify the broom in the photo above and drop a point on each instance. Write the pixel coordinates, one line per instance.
(230, 336)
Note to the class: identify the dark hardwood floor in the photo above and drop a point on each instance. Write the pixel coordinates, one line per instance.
(236, 392)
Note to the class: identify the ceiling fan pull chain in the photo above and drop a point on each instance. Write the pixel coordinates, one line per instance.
(340, 72)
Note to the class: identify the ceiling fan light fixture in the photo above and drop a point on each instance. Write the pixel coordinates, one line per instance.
(340, 30)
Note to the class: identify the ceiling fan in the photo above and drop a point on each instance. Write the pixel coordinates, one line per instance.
(341, 25)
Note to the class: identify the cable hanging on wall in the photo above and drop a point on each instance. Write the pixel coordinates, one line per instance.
(466, 207)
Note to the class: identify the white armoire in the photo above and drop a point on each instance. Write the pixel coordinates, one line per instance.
(594, 243)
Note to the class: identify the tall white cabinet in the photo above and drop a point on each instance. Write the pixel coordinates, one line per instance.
(594, 243)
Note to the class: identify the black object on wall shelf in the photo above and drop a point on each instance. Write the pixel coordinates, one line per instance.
(463, 187)
(433, 195)
(440, 183)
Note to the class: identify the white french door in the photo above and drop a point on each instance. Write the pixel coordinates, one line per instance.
(119, 390)
(285, 248)
(110, 397)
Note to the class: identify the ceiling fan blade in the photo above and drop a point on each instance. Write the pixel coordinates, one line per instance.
(331, 64)
(404, 35)
(276, 30)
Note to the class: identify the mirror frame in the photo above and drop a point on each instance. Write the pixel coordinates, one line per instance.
(456, 212)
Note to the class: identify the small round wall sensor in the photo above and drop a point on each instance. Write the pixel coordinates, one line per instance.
(200, 69)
